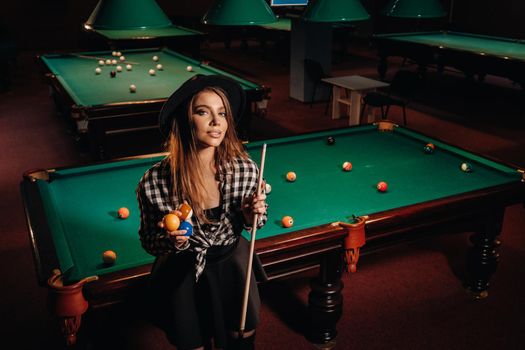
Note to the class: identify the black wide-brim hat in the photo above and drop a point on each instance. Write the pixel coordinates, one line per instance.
(176, 105)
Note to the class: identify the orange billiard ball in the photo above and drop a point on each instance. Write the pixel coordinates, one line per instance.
(171, 222)
(382, 186)
(347, 166)
(287, 221)
(186, 211)
(291, 176)
(109, 257)
(123, 213)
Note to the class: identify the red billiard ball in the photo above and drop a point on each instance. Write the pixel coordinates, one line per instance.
(287, 221)
(382, 186)
(291, 176)
(123, 213)
(347, 166)
(109, 257)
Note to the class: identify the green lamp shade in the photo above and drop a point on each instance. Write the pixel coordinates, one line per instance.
(335, 11)
(414, 9)
(127, 14)
(238, 13)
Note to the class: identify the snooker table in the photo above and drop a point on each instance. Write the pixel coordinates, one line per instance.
(71, 215)
(470, 53)
(103, 111)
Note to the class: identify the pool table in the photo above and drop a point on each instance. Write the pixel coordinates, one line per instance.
(72, 214)
(470, 53)
(115, 121)
(177, 38)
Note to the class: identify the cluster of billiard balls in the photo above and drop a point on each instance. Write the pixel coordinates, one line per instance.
(109, 256)
(129, 67)
(430, 148)
(179, 220)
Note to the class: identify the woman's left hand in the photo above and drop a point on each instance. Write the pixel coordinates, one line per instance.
(253, 205)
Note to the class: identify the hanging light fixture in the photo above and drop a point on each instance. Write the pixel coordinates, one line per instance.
(335, 11)
(127, 14)
(414, 9)
(239, 12)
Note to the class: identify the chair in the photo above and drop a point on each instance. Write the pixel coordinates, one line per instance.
(316, 73)
(399, 94)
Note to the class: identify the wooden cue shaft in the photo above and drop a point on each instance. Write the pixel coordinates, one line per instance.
(252, 249)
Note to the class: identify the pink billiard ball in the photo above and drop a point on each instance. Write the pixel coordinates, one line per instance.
(382, 186)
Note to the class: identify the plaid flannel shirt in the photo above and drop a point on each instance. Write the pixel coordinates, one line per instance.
(155, 197)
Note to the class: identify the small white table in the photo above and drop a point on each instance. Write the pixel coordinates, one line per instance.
(358, 86)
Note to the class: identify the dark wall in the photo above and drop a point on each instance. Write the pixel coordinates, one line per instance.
(56, 24)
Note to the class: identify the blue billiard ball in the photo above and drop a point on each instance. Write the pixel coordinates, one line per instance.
(185, 225)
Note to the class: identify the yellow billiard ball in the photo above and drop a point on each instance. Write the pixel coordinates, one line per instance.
(123, 213)
(171, 222)
(287, 221)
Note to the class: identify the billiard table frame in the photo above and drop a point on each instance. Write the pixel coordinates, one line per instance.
(480, 212)
(467, 61)
(125, 128)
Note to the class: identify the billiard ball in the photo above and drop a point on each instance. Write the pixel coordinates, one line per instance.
(347, 166)
(119, 53)
(267, 188)
(429, 148)
(132, 88)
(287, 221)
(189, 68)
(185, 225)
(122, 58)
(330, 140)
(466, 167)
(159, 67)
(129, 67)
(98, 70)
(186, 211)
(101, 62)
(119, 69)
(109, 257)
(113, 74)
(382, 186)
(123, 213)
(151, 72)
(108, 62)
(291, 176)
(171, 222)
(155, 58)
(113, 62)
(114, 53)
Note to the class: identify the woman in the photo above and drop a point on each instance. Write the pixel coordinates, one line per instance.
(198, 281)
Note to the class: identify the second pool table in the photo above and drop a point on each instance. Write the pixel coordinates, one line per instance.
(116, 121)
(470, 53)
(72, 214)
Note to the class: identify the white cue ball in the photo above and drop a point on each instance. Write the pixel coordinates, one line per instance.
(122, 58)
(119, 53)
(101, 62)
(119, 68)
(155, 58)
(98, 70)
(129, 67)
(189, 68)
(268, 188)
(132, 88)
(108, 62)
(113, 62)
(151, 72)
(159, 66)
(114, 53)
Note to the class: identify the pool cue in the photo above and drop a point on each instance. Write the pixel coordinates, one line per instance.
(252, 248)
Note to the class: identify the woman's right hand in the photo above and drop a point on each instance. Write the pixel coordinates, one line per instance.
(177, 237)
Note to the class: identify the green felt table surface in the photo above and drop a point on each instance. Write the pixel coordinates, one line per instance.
(81, 203)
(76, 73)
(481, 44)
(147, 33)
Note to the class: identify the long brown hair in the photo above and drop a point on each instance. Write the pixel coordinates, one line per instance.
(188, 180)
